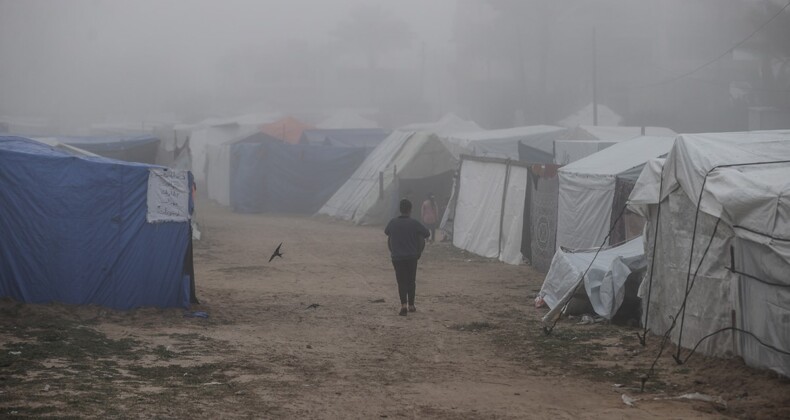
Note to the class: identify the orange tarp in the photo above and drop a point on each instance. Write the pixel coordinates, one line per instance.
(287, 129)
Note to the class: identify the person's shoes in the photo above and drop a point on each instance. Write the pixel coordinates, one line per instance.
(403, 312)
(412, 308)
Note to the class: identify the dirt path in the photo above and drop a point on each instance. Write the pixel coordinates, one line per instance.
(473, 349)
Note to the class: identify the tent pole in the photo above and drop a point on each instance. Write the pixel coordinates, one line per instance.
(502, 209)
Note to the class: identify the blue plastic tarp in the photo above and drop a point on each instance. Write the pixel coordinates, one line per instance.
(74, 230)
(278, 177)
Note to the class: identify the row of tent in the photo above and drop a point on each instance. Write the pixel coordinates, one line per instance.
(711, 266)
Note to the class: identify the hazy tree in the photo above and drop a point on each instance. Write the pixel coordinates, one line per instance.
(771, 45)
(371, 33)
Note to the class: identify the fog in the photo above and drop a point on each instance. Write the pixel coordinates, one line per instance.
(499, 62)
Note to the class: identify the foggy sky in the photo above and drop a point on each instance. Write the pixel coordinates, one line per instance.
(95, 54)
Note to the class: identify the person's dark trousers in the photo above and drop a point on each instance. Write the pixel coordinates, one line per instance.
(406, 274)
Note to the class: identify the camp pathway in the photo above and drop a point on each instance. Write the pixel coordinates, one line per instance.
(352, 355)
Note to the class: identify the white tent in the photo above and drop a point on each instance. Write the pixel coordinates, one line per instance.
(503, 143)
(587, 189)
(449, 124)
(489, 210)
(371, 195)
(723, 234)
(347, 119)
(604, 282)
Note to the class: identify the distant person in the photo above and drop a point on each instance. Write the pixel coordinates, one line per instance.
(430, 215)
(406, 240)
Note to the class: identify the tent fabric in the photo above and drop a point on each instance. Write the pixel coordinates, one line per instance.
(504, 143)
(569, 151)
(605, 280)
(615, 133)
(371, 193)
(347, 119)
(542, 196)
(219, 166)
(135, 148)
(287, 129)
(741, 221)
(355, 137)
(587, 189)
(448, 125)
(74, 231)
(489, 212)
(646, 188)
(532, 155)
(200, 138)
(277, 177)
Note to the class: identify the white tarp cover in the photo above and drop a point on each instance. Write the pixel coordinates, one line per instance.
(168, 195)
(449, 124)
(647, 186)
(413, 155)
(587, 189)
(479, 210)
(754, 228)
(604, 282)
(503, 143)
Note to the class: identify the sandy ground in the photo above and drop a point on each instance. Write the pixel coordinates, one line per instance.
(472, 350)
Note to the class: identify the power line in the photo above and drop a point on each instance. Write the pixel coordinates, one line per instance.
(717, 58)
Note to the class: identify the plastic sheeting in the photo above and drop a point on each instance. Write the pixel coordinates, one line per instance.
(74, 231)
(278, 177)
(370, 195)
(605, 280)
(543, 192)
(482, 225)
(751, 234)
(447, 125)
(587, 189)
(569, 151)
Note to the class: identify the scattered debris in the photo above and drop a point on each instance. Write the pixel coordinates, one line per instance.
(629, 401)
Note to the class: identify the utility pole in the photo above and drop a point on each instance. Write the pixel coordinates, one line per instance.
(594, 79)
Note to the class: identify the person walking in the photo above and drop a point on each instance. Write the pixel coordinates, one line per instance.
(406, 241)
(430, 215)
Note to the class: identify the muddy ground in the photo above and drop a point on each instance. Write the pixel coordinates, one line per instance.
(474, 348)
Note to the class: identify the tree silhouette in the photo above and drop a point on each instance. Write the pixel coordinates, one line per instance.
(370, 33)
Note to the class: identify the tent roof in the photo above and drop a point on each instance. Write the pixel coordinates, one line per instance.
(353, 137)
(615, 133)
(347, 119)
(694, 155)
(621, 157)
(503, 143)
(108, 143)
(449, 124)
(288, 129)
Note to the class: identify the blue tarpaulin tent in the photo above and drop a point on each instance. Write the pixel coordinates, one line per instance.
(74, 230)
(345, 137)
(136, 148)
(276, 177)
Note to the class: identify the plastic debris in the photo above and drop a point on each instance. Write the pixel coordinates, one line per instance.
(629, 401)
(196, 314)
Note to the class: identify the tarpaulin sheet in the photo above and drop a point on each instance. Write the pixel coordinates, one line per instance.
(135, 148)
(74, 230)
(279, 177)
(604, 282)
(543, 195)
(355, 137)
